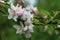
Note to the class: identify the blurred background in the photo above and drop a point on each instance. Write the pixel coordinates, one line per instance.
(45, 29)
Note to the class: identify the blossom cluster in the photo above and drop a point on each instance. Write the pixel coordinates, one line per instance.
(24, 13)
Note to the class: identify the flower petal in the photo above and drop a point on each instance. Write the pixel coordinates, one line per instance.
(9, 17)
(16, 26)
(19, 32)
(25, 28)
(12, 6)
(31, 28)
(15, 18)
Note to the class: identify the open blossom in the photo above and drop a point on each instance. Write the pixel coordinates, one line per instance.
(14, 11)
(12, 14)
(19, 28)
(17, 8)
(27, 15)
(28, 26)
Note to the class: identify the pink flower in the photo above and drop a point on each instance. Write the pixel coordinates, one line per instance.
(12, 14)
(32, 9)
(26, 15)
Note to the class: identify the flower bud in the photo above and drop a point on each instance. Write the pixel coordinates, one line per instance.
(45, 16)
(21, 2)
(28, 35)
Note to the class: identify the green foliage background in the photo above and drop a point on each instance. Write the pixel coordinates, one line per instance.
(49, 7)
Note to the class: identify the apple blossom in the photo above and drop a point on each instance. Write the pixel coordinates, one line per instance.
(19, 28)
(28, 26)
(32, 9)
(26, 14)
(12, 14)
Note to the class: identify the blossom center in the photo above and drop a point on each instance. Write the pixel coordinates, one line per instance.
(27, 23)
(13, 14)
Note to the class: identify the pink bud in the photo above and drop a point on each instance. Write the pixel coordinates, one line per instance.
(34, 10)
(21, 2)
(45, 16)
(28, 35)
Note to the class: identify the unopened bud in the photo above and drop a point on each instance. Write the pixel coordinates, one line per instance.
(21, 2)
(45, 16)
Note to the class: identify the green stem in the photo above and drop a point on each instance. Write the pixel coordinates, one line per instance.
(52, 18)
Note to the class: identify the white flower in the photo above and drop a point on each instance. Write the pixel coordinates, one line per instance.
(16, 8)
(28, 34)
(27, 15)
(28, 26)
(24, 13)
(12, 14)
(19, 11)
(19, 28)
